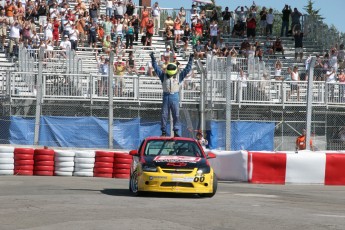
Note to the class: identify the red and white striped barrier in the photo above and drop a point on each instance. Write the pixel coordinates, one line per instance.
(24, 161)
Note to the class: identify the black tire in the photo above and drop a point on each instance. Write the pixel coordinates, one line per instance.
(133, 184)
(215, 185)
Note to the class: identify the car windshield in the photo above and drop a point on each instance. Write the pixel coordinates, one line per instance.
(170, 147)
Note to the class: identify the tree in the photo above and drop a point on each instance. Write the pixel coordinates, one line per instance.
(309, 8)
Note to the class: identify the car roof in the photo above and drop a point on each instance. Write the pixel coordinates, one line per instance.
(169, 138)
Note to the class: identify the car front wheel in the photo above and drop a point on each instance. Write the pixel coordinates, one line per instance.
(133, 183)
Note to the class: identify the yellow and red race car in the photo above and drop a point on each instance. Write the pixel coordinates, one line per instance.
(172, 164)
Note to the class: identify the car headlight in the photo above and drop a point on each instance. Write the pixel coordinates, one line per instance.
(148, 168)
(203, 170)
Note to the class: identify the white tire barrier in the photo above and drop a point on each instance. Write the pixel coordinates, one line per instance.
(64, 164)
(6, 155)
(61, 173)
(6, 166)
(85, 154)
(6, 149)
(6, 172)
(85, 161)
(6, 161)
(64, 153)
(83, 174)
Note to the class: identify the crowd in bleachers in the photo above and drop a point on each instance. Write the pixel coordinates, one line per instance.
(80, 25)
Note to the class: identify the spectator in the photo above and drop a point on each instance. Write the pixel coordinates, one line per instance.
(104, 69)
(93, 12)
(251, 26)
(73, 37)
(194, 17)
(298, 36)
(294, 84)
(263, 23)
(242, 15)
(285, 20)
(10, 8)
(92, 34)
(136, 26)
(108, 26)
(333, 59)
(14, 37)
(341, 78)
(119, 10)
(202, 141)
(340, 57)
(278, 71)
(129, 35)
(144, 19)
(42, 14)
(330, 81)
(48, 30)
(100, 34)
(269, 21)
(156, 14)
(233, 58)
(109, 8)
(244, 47)
(186, 36)
(238, 30)
(169, 24)
(182, 15)
(278, 46)
(106, 45)
(253, 9)
(268, 46)
(226, 14)
(65, 45)
(318, 69)
(130, 8)
(301, 142)
(214, 32)
(80, 26)
(295, 19)
(242, 81)
(198, 50)
(214, 16)
(35, 38)
(119, 68)
(199, 28)
(149, 32)
(130, 65)
(3, 28)
(177, 30)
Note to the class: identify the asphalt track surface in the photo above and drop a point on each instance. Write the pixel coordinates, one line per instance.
(45, 203)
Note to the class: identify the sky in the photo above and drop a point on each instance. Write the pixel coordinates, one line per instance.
(331, 10)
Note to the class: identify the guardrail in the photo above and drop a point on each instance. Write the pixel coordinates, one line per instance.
(59, 86)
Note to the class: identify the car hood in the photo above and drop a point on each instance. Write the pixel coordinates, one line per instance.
(176, 161)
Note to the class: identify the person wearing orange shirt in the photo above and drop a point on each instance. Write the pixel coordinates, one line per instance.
(149, 32)
(301, 142)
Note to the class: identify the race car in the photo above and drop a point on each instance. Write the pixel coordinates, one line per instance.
(172, 164)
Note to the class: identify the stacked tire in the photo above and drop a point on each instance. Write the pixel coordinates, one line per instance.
(24, 161)
(44, 162)
(84, 163)
(6, 160)
(122, 165)
(64, 163)
(103, 164)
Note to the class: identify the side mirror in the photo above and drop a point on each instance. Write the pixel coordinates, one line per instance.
(211, 155)
(133, 152)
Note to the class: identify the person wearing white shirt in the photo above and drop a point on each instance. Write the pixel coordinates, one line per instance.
(14, 36)
(214, 32)
(109, 8)
(73, 37)
(48, 30)
(156, 13)
(242, 80)
(65, 45)
(330, 81)
(294, 84)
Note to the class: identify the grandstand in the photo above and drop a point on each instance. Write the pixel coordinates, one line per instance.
(71, 86)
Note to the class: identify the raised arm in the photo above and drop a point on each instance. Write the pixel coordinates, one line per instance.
(158, 70)
(187, 69)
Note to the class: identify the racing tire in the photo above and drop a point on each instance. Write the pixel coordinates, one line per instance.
(44, 163)
(43, 168)
(85, 154)
(122, 166)
(24, 151)
(122, 161)
(85, 160)
(121, 171)
(6, 149)
(6, 166)
(123, 155)
(104, 159)
(106, 175)
(23, 162)
(84, 166)
(23, 172)
(49, 152)
(64, 153)
(104, 154)
(103, 170)
(121, 176)
(103, 165)
(43, 173)
(6, 155)
(83, 170)
(64, 164)
(23, 157)
(60, 173)
(44, 158)
(64, 159)
(215, 185)
(6, 172)
(6, 161)
(64, 169)
(83, 174)
(24, 167)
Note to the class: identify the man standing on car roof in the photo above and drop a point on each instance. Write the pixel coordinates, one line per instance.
(171, 86)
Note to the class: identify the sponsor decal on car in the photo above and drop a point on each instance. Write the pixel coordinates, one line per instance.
(157, 177)
(182, 179)
(177, 159)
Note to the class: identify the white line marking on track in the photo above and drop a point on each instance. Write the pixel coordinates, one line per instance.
(255, 195)
(327, 215)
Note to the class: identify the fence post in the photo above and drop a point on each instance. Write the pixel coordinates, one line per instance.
(111, 100)
(228, 107)
(202, 95)
(310, 99)
(39, 96)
